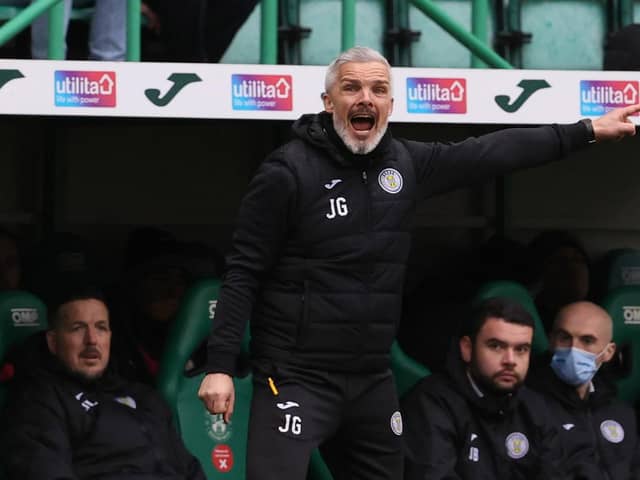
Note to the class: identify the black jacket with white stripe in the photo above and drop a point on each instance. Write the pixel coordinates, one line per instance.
(57, 426)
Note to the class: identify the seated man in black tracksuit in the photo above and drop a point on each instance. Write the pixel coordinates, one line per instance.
(477, 421)
(71, 418)
(582, 401)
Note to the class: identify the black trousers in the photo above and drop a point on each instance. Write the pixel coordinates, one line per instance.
(354, 418)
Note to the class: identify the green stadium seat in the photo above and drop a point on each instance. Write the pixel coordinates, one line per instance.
(406, 371)
(221, 448)
(21, 314)
(622, 268)
(518, 293)
(623, 304)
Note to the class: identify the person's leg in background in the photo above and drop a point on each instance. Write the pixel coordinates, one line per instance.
(108, 33)
(222, 23)
(182, 27)
(40, 32)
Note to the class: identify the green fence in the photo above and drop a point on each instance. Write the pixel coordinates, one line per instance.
(490, 23)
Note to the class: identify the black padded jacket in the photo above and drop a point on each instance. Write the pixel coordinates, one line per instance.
(453, 433)
(56, 426)
(600, 431)
(322, 237)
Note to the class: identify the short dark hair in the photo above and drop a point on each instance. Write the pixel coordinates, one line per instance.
(497, 307)
(71, 293)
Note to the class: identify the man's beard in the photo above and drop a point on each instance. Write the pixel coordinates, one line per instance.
(359, 147)
(487, 383)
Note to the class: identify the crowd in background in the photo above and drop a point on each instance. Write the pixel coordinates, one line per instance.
(157, 269)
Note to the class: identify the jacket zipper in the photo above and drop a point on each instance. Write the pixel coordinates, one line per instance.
(596, 445)
(367, 199)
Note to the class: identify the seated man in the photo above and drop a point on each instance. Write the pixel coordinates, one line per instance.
(73, 418)
(477, 421)
(584, 403)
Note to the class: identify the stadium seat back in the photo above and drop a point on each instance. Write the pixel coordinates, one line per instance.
(622, 268)
(515, 291)
(623, 304)
(21, 315)
(220, 447)
(406, 371)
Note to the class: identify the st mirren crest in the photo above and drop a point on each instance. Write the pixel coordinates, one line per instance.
(517, 445)
(612, 431)
(390, 180)
(396, 423)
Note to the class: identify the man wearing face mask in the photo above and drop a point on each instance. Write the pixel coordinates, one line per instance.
(317, 266)
(598, 429)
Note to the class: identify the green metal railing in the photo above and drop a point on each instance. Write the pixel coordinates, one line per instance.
(348, 24)
(269, 32)
(56, 47)
(134, 19)
(476, 40)
(625, 12)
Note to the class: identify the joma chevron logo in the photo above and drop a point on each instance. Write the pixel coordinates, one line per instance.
(7, 75)
(529, 87)
(180, 80)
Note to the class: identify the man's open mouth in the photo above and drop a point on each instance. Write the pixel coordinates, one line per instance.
(362, 122)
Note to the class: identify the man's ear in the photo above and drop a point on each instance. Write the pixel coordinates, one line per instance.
(466, 348)
(609, 352)
(328, 103)
(51, 342)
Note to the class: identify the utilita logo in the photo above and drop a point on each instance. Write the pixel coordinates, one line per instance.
(599, 96)
(262, 92)
(85, 89)
(436, 95)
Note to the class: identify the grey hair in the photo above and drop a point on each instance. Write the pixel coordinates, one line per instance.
(354, 54)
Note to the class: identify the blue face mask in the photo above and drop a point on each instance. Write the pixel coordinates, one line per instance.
(574, 366)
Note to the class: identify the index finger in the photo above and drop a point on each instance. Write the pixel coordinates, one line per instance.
(630, 110)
